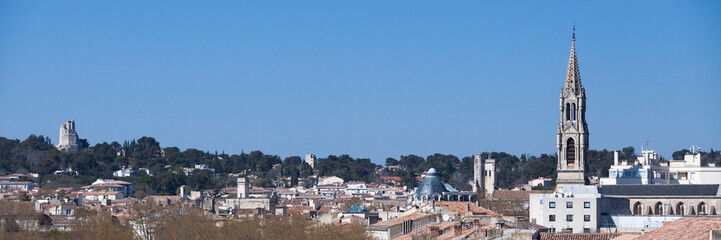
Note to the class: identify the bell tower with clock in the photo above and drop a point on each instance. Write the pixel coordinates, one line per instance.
(572, 135)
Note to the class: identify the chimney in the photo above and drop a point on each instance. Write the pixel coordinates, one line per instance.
(435, 231)
(615, 157)
(458, 229)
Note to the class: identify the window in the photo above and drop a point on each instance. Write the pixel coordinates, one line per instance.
(551, 218)
(586, 204)
(569, 204)
(568, 111)
(586, 218)
(570, 152)
(569, 218)
(551, 204)
(586, 230)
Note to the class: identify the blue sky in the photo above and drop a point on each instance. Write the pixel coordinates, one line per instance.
(370, 79)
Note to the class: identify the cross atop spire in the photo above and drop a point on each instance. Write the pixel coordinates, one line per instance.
(573, 75)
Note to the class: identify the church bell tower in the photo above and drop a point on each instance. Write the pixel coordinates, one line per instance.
(572, 136)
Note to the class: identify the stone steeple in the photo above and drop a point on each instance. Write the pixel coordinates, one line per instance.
(573, 76)
(572, 135)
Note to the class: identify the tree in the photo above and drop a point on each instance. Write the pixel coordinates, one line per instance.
(99, 225)
(391, 161)
(411, 162)
(679, 155)
(628, 153)
(466, 168)
(408, 179)
(445, 165)
(47, 166)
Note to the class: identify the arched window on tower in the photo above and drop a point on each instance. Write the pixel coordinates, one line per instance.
(570, 152)
(573, 111)
(568, 111)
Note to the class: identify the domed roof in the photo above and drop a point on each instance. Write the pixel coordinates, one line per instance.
(431, 185)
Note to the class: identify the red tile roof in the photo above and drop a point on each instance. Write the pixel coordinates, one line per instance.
(579, 236)
(388, 178)
(413, 216)
(100, 193)
(690, 228)
(460, 207)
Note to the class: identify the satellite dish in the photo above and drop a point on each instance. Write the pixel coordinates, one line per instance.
(446, 217)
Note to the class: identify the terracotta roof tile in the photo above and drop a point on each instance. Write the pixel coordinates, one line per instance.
(460, 207)
(690, 228)
(579, 236)
(395, 221)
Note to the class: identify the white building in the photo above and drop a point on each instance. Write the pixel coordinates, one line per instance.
(102, 195)
(356, 188)
(647, 169)
(111, 185)
(332, 180)
(9, 186)
(124, 172)
(571, 209)
(545, 182)
(204, 167)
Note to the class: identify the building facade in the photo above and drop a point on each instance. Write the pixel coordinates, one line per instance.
(571, 209)
(648, 169)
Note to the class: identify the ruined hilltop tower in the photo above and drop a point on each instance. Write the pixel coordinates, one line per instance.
(68, 137)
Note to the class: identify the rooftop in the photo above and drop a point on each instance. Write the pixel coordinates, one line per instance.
(661, 190)
(391, 222)
(357, 208)
(690, 228)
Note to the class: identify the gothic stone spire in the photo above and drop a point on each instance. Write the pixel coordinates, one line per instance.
(573, 75)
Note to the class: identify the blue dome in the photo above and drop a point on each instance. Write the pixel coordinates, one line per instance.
(431, 185)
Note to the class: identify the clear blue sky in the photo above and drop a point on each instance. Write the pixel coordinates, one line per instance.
(371, 79)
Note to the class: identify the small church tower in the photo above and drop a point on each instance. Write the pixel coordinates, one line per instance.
(572, 135)
(484, 175)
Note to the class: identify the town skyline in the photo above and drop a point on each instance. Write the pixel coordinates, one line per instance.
(383, 88)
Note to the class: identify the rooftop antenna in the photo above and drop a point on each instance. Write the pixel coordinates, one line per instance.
(695, 148)
(574, 32)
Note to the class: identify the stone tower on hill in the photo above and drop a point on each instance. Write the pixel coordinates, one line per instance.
(68, 137)
(572, 135)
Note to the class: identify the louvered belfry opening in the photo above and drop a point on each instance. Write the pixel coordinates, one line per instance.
(570, 152)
